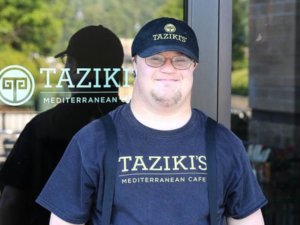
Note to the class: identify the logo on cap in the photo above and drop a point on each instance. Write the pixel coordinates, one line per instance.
(170, 28)
(16, 85)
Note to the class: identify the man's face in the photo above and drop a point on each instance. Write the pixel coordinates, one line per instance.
(164, 85)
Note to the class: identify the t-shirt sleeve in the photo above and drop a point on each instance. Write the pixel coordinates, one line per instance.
(246, 195)
(69, 190)
(243, 194)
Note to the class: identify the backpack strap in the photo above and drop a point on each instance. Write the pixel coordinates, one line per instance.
(110, 168)
(210, 142)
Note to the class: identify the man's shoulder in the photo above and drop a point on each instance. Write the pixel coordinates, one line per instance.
(199, 115)
(226, 141)
(90, 130)
(119, 112)
(222, 132)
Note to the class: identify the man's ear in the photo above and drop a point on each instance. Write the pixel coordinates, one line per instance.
(195, 65)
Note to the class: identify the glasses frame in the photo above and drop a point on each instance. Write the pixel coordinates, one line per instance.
(172, 62)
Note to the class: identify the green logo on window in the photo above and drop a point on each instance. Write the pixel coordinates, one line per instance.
(16, 85)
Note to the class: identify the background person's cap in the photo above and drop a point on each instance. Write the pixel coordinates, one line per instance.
(165, 34)
(95, 46)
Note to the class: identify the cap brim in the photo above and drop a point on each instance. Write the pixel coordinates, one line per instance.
(60, 54)
(162, 48)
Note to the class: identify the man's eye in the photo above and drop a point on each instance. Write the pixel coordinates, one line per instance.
(157, 59)
(181, 60)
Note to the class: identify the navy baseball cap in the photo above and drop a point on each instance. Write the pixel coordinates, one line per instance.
(165, 34)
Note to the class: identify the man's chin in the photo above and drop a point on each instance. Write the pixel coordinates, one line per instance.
(167, 100)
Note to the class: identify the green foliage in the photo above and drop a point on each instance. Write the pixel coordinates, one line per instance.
(28, 25)
(10, 56)
(239, 29)
(125, 18)
(45, 26)
(239, 77)
(172, 8)
(239, 81)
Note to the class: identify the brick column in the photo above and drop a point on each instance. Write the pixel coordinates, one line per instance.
(274, 64)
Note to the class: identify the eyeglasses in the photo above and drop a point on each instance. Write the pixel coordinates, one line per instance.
(178, 62)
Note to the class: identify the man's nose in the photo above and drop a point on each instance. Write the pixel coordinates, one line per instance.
(168, 66)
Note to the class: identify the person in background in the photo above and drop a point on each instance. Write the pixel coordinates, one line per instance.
(45, 138)
(162, 167)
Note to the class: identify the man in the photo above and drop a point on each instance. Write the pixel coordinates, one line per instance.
(162, 168)
(45, 138)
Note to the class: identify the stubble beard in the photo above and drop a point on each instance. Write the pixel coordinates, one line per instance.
(167, 101)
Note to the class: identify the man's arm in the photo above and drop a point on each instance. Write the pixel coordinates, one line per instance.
(54, 220)
(13, 206)
(255, 218)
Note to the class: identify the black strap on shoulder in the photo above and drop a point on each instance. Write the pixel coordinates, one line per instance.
(210, 141)
(110, 169)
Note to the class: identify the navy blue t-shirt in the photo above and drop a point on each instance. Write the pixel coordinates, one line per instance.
(162, 175)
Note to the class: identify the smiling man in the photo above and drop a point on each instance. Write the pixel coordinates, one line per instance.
(162, 166)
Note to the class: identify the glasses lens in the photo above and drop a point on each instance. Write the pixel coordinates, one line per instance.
(155, 60)
(181, 62)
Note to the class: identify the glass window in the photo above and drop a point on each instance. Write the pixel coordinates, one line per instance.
(265, 99)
